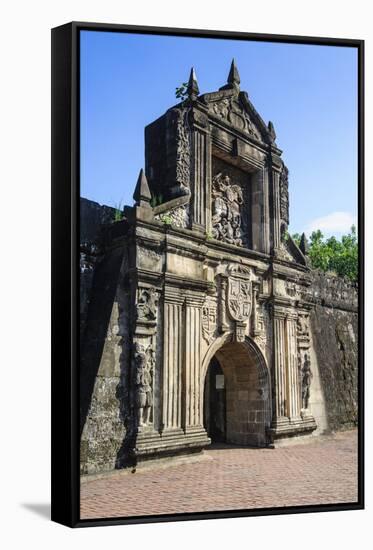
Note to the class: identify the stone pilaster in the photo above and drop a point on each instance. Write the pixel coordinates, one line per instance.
(200, 170)
(199, 179)
(192, 362)
(260, 211)
(287, 417)
(143, 367)
(254, 315)
(223, 323)
(172, 359)
(266, 247)
(292, 382)
(276, 234)
(279, 346)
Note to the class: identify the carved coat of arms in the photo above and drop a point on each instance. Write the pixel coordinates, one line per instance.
(239, 298)
(209, 318)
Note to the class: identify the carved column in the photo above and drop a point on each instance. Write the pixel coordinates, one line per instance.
(223, 323)
(279, 347)
(200, 170)
(192, 362)
(276, 210)
(292, 382)
(260, 211)
(288, 418)
(304, 365)
(266, 247)
(143, 356)
(172, 359)
(254, 316)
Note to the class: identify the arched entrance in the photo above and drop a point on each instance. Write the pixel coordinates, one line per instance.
(237, 405)
(214, 408)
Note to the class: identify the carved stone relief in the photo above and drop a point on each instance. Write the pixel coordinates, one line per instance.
(209, 319)
(291, 289)
(230, 110)
(303, 332)
(283, 253)
(263, 336)
(239, 298)
(143, 359)
(306, 380)
(147, 304)
(304, 363)
(223, 323)
(284, 198)
(178, 217)
(227, 199)
(238, 269)
(240, 331)
(183, 152)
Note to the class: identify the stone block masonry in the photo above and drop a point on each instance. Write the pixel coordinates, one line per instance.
(200, 275)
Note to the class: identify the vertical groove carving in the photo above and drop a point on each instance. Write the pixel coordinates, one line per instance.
(199, 178)
(172, 366)
(279, 366)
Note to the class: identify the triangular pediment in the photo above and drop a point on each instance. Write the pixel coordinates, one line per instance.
(235, 109)
(290, 252)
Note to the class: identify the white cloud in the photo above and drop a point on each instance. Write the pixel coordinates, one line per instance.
(336, 222)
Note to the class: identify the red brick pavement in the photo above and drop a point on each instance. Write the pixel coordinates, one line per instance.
(229, 478)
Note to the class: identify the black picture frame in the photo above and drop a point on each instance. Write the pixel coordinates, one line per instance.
(65, 271)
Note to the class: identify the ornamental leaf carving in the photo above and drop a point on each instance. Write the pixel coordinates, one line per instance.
(183, 152)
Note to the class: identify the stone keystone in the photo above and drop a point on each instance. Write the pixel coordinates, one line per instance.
(192, 88)
(142, 194)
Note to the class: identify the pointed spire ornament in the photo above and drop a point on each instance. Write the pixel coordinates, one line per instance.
(271, 131)
(142, 194)
(303, 245)
(192, 89)
(234, 77)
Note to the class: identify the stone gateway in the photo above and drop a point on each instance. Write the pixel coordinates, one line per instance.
(197, 325)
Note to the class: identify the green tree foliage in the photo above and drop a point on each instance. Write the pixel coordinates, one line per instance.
(338, 256)
(118, 211)
(296, 238)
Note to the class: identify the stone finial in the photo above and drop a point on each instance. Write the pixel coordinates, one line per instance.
(142, 194)
(303, 245)
(271, 131)
(192, 89)
(234, 77)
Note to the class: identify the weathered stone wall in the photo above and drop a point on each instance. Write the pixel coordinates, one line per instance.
(105, 349)
(101, 411)
(92, 218)
(334, 323)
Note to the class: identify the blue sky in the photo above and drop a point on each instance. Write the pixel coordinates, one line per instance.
(309, 92)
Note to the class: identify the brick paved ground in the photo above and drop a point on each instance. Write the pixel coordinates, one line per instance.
(228, 478)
